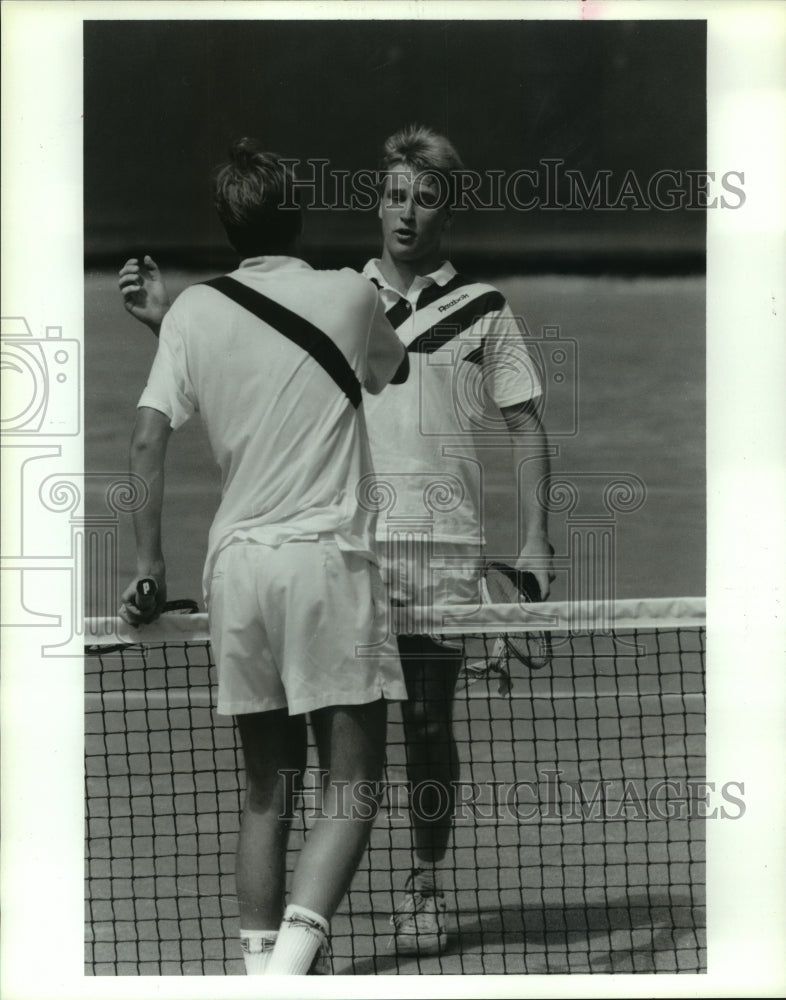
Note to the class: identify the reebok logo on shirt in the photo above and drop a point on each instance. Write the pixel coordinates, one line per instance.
(453, 302)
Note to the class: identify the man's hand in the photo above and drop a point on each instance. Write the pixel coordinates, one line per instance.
(537, 558)
(137, 609)
(144, 292)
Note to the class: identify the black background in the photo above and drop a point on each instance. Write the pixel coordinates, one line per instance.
(163, 100)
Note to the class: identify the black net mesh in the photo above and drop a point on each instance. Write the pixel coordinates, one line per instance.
(577, 843)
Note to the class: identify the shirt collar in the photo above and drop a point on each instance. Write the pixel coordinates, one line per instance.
(275, 262)
(441, 277)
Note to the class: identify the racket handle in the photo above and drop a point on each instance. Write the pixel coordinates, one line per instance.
(146, 593)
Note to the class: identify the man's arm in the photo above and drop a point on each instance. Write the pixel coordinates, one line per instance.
(527, 430)
(388, 361)
(147, 456)
(145, 295)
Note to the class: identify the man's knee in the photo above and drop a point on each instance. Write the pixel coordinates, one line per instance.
(351, 740)
(273, 790)
(430, 672)
(428, 721)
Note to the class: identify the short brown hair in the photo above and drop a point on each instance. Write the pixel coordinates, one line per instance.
(250, 192)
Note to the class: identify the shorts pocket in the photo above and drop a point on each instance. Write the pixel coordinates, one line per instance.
(379, 592)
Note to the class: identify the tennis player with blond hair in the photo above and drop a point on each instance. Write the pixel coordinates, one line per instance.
(465, 346)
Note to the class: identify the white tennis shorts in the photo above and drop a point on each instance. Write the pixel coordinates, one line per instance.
(418, 576)
(302, 625)
(441, 573)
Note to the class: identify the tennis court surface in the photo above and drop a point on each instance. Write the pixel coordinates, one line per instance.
(576, 848)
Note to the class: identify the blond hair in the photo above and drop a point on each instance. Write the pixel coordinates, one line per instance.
(425, 151)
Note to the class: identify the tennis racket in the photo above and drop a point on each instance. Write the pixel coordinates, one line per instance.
(146, 593)
(502, 584)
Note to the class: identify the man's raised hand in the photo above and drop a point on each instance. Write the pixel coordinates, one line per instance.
(144, 293)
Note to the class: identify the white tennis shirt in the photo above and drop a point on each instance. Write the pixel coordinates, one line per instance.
(468, 357)
(292, 450)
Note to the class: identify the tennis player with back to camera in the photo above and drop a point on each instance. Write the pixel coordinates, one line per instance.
(455, 329)
(273, 357)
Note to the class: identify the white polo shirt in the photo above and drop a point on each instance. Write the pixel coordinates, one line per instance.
(291, 447)
(467, 358)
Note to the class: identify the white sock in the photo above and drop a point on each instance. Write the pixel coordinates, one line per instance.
(300, 937)
(426, 877)
(257, 947)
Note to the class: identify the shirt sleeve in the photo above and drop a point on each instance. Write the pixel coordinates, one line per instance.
(169, 387)
(510, 372)
(387, 359)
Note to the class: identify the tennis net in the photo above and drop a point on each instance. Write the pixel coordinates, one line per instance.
(577, 844)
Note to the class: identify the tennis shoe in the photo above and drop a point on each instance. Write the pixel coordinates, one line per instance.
(419, 922)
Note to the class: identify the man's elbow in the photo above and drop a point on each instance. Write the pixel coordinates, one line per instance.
(524, 418)
(402, 372)
(148, 441)
(375, 384)
(141, 446)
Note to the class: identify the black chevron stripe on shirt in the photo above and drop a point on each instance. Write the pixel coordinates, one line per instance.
(434, 292)
(451, 326)
(402, 310)
(398, 313)
(438, 334)
(476, 357)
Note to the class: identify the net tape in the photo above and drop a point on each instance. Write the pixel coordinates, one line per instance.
(558, 616)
